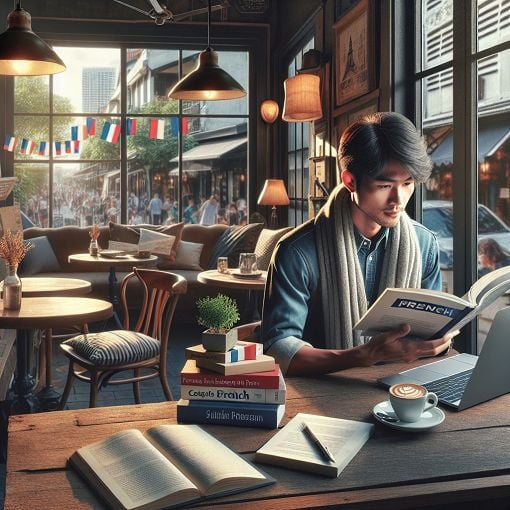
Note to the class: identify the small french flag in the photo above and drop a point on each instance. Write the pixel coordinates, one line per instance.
(9, 143)
(74, 132)
(79, 133)
(76, 146)
(57, 148)
(131, 127)
(67, 145)
(43, 149)
(27, 146)
(110, 132)
(91, 126)
(184, 126)
(157, 129)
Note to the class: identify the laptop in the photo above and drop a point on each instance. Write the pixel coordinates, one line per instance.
(466, 380)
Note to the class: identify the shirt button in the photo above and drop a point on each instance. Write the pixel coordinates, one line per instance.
(370, 258)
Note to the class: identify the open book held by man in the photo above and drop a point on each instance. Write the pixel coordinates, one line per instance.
(432, 314)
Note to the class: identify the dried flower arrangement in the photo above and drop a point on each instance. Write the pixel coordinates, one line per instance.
(12, 247)
(94, 232)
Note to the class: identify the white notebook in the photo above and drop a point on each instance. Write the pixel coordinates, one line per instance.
(292, 448)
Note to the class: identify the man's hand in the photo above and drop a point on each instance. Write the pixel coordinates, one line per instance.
(397, 346)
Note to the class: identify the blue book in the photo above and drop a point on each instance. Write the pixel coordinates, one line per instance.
(267, 416)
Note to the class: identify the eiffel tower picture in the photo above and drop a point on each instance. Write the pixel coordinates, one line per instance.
(350, 65)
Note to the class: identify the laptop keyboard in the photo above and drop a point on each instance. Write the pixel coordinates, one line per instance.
(450, 389)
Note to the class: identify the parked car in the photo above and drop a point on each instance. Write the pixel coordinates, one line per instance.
(438, 217)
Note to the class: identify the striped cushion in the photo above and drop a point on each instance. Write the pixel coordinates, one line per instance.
(114, 347)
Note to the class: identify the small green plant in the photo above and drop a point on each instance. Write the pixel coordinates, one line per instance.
(218, 314)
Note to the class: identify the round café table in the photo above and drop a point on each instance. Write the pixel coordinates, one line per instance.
(45, 287)
(44, 313)
(214, 278)
(124, 262)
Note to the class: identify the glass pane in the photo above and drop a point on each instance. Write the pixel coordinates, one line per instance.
(291, 127)
(437, 36)
(87, 86)
(31, 191)
(493, 22)
(151, 73)
(29, 132)
(31, 94)
(437, 97)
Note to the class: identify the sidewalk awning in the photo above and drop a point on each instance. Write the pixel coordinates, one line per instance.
(492, 133)
(212, 150)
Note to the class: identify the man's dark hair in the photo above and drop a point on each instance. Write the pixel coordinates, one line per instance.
(370, 143)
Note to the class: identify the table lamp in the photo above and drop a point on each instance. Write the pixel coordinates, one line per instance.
(273, 193)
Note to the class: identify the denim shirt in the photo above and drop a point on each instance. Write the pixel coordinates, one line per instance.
(292, 315)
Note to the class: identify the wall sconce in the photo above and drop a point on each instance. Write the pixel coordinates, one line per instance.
(22, 52)
(269, 111)
(273, 193)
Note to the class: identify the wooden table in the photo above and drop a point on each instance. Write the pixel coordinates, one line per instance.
(44, 313)
(228, 281)
(463, 460)
(126, 262)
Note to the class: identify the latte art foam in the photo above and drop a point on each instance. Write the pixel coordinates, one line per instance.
(408, 391)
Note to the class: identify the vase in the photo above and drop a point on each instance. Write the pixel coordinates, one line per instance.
(93, 248)
(219, 342)
(12, 288)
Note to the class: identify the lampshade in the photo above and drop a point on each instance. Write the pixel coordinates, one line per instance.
(302, 98)
(23, 53)
(273, 193)
(208, 81)
(269, 110)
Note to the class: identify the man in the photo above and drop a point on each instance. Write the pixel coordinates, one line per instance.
(327, 272)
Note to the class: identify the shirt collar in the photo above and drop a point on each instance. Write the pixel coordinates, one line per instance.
(370, 244)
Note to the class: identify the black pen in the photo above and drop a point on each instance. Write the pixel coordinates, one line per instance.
(321, 446)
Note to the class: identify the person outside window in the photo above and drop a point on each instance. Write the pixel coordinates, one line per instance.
(491, 256)
(209, 211)
(154, 209)
(325, 274)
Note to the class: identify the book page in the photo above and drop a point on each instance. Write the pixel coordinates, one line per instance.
(426, 311)
(212, 466)
(135, 472)
(488, 282)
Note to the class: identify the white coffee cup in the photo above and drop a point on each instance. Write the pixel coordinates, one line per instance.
(410, 401)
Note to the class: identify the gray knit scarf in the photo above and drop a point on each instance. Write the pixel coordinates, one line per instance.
(342, 282)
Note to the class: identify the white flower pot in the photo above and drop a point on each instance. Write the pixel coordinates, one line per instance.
(219, 342)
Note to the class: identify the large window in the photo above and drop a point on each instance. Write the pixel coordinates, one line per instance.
(464, 85)
(298, 152)
(102, 142)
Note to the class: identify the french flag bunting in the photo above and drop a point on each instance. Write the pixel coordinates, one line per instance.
(23, 146)
(91, 126)
(74, 132)
(57, 148)
(174, 124)
(184, 126)
(76, 146)
(157, 129)
(9, 143)
(131, 127)
(110, 132)
(84, 131)
(67, 145)
(44, 149)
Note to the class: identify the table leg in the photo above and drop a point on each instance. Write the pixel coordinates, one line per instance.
(48, 397)
(113, 296)
(250, 312)
(24, 401)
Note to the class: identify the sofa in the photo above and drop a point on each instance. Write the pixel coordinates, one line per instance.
(52, 247)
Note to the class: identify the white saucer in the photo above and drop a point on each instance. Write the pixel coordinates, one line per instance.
(429, 419)
(237, 274)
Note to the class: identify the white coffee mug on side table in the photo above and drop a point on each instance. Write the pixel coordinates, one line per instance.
(410, 401)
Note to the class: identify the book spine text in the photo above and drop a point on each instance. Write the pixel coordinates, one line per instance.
(260, 396)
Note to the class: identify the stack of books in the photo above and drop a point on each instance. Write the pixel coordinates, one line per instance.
(241, 387)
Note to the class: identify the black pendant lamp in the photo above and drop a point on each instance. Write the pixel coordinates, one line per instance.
(23, 53)
(208, 81)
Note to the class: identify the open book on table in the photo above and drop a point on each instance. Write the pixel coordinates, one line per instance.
(432, 314)
(292, 448)
(168, 466)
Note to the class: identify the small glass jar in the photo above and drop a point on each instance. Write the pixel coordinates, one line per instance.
(93, 248)
(247, 263)
(12, 288)
(222, 265)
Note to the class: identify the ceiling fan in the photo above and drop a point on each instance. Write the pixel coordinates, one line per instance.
(160, 13)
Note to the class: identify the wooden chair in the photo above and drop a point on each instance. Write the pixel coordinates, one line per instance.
(96, 357)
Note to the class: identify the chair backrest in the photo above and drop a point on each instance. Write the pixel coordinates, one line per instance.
(161, 291)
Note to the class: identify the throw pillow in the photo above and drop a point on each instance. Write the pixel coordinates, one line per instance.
(114, 347)
(234, 241)
(159, 244)
(40, 259)
(123, 233)
(188, 256)
(266, 244)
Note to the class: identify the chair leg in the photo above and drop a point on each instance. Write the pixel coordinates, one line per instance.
(68, 386)
(164, 383)
(136, 387)
(94, 388)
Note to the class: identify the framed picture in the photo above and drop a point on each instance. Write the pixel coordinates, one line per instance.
(354, 55)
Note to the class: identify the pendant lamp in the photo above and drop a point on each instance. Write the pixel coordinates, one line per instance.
(22, 52)
(208, 81)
